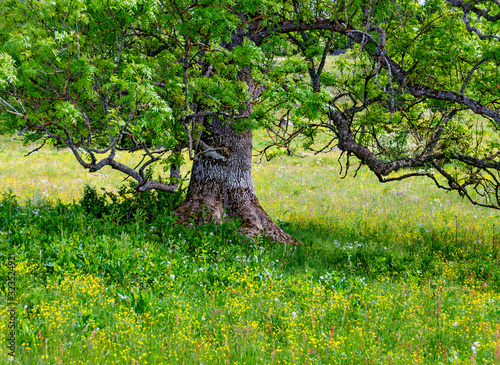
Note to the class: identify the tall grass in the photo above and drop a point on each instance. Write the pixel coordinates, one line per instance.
(388, 274)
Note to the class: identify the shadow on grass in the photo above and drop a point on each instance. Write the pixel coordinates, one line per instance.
(346, 250)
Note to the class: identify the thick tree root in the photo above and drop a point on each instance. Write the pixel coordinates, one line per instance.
(255, 221)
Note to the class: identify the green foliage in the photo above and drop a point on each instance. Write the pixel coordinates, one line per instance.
(126, 204)
(71, 47)
(94, 203)
(8, 70)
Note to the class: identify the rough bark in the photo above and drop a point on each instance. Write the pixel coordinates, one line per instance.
(222, 187)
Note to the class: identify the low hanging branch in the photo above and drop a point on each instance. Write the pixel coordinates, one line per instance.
(487, 188)
(143, 183)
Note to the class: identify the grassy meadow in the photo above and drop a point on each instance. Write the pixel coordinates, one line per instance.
(388, 274)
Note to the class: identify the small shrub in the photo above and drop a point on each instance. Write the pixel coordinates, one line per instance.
(93, 202)
(127, 204)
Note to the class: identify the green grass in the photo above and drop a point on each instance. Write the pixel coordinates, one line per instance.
(388, 274)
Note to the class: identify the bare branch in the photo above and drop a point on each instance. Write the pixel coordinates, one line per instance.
(36, 149)
(470, 74)
(210, 151)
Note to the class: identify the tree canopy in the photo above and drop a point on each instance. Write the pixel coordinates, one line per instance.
(416, 94)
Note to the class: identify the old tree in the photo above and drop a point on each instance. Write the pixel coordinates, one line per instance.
(417, 94)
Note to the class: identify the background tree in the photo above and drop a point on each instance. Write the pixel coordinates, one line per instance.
(162, 77)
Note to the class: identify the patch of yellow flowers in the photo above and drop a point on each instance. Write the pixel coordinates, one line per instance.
(78, 320)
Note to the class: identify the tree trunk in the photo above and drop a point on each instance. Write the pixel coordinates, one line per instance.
(221, 185)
